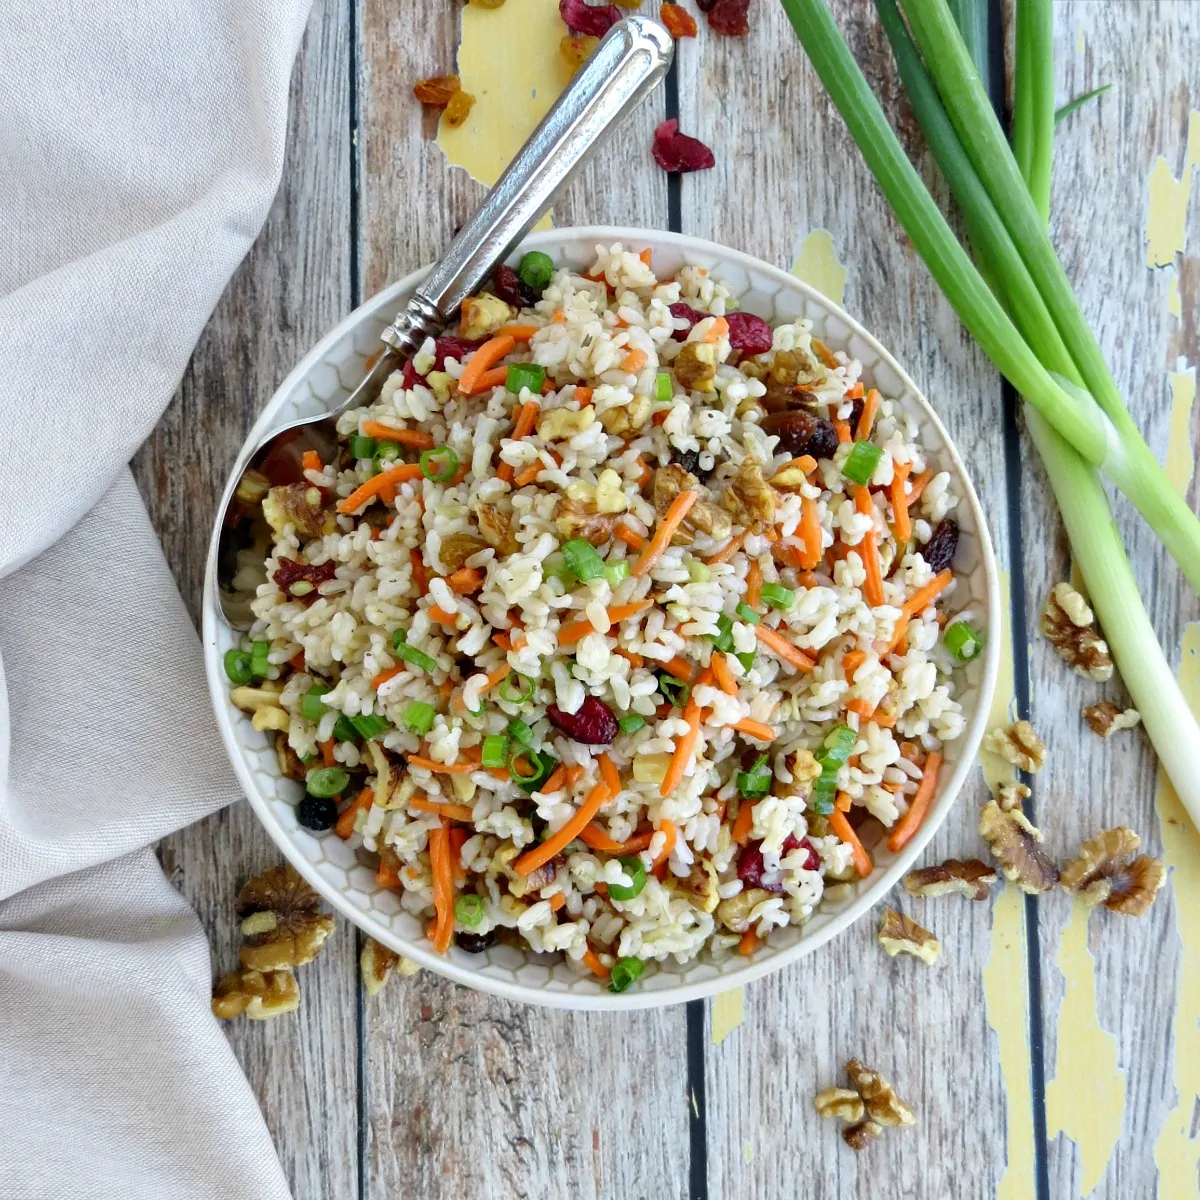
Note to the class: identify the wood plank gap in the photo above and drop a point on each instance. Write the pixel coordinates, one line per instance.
(697, 1101)
(674, 181)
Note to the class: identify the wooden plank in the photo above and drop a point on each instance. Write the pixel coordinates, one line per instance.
(293, 285)
(1111, 1020)
(466, 1094)
(785, 166)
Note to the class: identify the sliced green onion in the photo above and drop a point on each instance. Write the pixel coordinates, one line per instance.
(555, 568)
(468, 910)
(399, 637)
(535, 270)
(746, 658)
(432, 464)
(963, 641)
(238, 666)
(662, 386)
(756, 782)
(415, 657)
(636, 870)
(260, 665)
(698, 572)
(674, 690)
(323, 782)
(831, 757)
(370, 725)
(861, 462)
(516, 689)
(581, 557)
(386, 452)
(625, 973)
(614, 572)
(419, 717)
(495, 750)
(631, 723)
(723, 638)
(530, 769)
(525, 375)
(363, 447)
(344, 731)
(520, 733)
(747, 614)
(312, 707)
(777, 596)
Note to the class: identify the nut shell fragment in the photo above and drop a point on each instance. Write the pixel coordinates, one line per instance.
(969, 878)
(1015, 845)
(1106, 872)
(899, 934)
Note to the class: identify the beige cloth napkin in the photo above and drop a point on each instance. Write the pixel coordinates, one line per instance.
(140, 148)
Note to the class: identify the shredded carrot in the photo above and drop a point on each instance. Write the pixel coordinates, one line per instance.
(852, 660)
(496, 377)
(595, 838)
(717, 330)
(453, 812)
(418, 571)
(633, 657)
(377, 483)
(679, 668)
(387, 876)
(502, 640)
(660, 416)
(867, 420)
(911, 821)
(345, 823)
(487, 356)
(898, 639)
(327, 758)
(884, 720)
(758, 730)
(842, 827)
(594, 965)
(685, 747)
(743, 823)
(441, 616)
(466, 580)
(843, 430)
(610, 775)
(923, 597)
(900, 518)
(659, 865)
(680, 507)
(646, 255)
(407, 437)
(810, 534)
(522, 427)
(568, 635)
(558, 317)
(918, 485)
(727, 551)
(869, 550)
(443, 886)
(634, 361)
(754, 581)
(529, 474)
(494, 677)
(574, 774)
(630, 537)
(843, 802)
(911, 751)
(805, 463)
(558, 779)
(441, 768)
(310, 460)
(557, 901)
(854, 391)
(824, 353)
(783, 648)
(748, 943)
(518, 333)
(644, 477)
(724, 677)
(863, 707)
(384, 676)
(583, 394)
(296, 662)
(543, 853)
(458, 837)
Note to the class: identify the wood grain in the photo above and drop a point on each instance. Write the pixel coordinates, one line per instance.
(293, 285)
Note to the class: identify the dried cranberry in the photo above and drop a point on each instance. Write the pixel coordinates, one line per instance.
(452, 347)
(939, 551)
(748, 333)
(508, 285)
(474, 943)
(593, 724)
(291, 572)
(812, 862)
(686, 312)
(591, 20)
(729, 17)
(801, 432)
(677, 153)
(409, 377)
(750, 866)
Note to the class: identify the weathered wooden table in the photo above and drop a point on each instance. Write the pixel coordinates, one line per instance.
(1046, 1054)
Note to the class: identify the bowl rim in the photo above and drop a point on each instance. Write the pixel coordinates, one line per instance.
(747, 971)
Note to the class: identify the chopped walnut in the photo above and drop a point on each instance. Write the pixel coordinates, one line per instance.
(787, 379)
(281, 921)
(457, 548)
(1069, 625)
(627, 419)
(860, 1136)
(750, 497)
(843, 1103)
(1107, 873)
(577, 519)
(260, 995)
(1015, 845)
(496, 526)
(702, 517)
(804, 769)
(377, 962)
(700, 886)
(1017, 744)
(288, 761)
(734, 913)
(696, 366)
(882, 1104)
(561, 424)
(1106, 718)
(970, 878)
(482, 315)
(899, 934)
(302, 506)
(1012, 795)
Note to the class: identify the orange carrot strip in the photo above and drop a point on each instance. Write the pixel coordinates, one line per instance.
(783, 648)
(869, 551)
(441, 616)
(345, 823)
(898, 635)
(634, 361)
(810, 533)
(495, 676)
(487, 356)
(441, 768)
(416, 438)
(522, 427)
(854, 391)
(754, 581)
(824, 354)
(918, 485)
(558, 779)
(418, 571)
(883, 720)
(679, 509)
(717, 330)
(842, 827)
(327, 758)
(748, 943)
(911, 821)
(805, 463)
(574, 775)
(453, 812)
(384, 676)
(727, 551)
(843, 430)
(668, 827)
(843, 802)
(529, 474)
(685, 748)
(923, 597)
(387, 876)
(646, 255)
(518, 333)
(680, 668)
(630, 537)
(310, 460)
(725, 679)
(863, 707)
(568, 635)
(543, 853)
(867, 420)
(377, 483)
(466, 580)
(756, 729)
(596, 839)
(900, 515)
(594, 965)
(852, 660)
(743, 823)
(634, 658)
(610, 775)
(443, 886)
(557, 901)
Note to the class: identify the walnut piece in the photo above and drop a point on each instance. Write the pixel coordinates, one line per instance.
(702, 517)
(843, 1103)
(1069, 625)
(482, 315)
(260, 995)
(1012, 795)
(281, 921)
(1106, 718)
(302, 506)
(1107, 873)
(561, 424)
(627, 419)
(899, 934)
(1015, 845)
(790, 373)
(376, 963)
(457, 548)
(860, 1136)
(700, 886)
(288, 761)
(883, 1106)
(496, 526)
(696, 366)
(970, 878)
(1017, 744)
(734, 913)
(577, 519)
(750, 497)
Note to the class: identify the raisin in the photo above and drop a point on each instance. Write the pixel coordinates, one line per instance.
(591, 20)
(939, 551)
(801, 432)
(686, 312)
(856, 412)
(677, 153)
(593, 725)
(748, 333)
(689, 460)
(729, 17)
(317, 813)
(679, 22)
(437, 92)
(458, 108)
(474, 943)
(508, 285)
(292, 575)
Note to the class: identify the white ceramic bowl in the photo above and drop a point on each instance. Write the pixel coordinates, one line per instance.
(329, 372)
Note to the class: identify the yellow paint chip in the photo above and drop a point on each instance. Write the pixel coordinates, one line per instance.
(1174, 304)
(728, 1012)
(1176, 1150)
(1166, 211)
(1181, 459)
(817, 264)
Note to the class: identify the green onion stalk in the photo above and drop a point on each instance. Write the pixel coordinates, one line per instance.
(1024, 316)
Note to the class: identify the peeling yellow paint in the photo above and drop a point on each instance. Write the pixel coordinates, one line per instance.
(1080, 43)
(728, 1012)
(1174, 304)
(817, 264)
(1181, 459)
(1177, 1151)
(1166, 211)
(1086, 1098)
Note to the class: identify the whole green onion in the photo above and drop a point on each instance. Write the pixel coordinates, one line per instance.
(535, 270)
(260, 664)
(323, 782)
(746, 614)
(525, 375)
(238, 666)
(419, 717)
(581, 557)
(632, 723)
(312, 707)
(370, 725)
(625, 972)
(963, 641)
(861, 462)
(362, 447)
(468, 910)
(777, 596)
(636, 870)
(662, 386)
(430, 460)
(495, 750)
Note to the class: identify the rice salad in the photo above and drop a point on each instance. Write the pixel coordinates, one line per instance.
(617, 630)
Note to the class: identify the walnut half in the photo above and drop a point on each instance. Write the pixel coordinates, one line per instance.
(702, 517)
(1016, 845)
(259, 994)
(899, 934)
(1069, 625)
(970, 878)
(1107, 873)
(843, 1103)
(879, 1097)
(750, 497)
(1017, 744)
(281, 921)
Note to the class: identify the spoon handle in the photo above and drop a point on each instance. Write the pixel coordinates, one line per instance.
(625, 67)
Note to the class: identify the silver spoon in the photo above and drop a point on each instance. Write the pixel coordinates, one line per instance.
(625, 68)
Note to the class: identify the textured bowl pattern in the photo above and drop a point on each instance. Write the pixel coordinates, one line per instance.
(325, 376)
